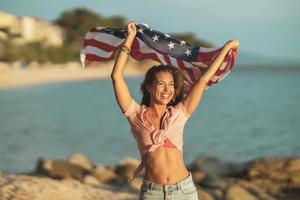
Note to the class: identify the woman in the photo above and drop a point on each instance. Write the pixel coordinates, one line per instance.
(157, 124)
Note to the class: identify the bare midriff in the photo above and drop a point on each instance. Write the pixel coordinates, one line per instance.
(164, 166)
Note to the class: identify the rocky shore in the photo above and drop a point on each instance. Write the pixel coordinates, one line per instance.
(78, 178)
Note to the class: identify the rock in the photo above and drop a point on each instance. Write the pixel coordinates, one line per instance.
(271, 168)
(293, 169)
(126, 167)
(81, 161)
(33, 188)
(293, 165)
(217, 182)
(136, 183)
(216, 193)
(90, 180)
(269, 185)
(236, 192)
(198, 176)
(103, 174)
(59, 169)
(203, 195)
(275, 173)
(214, 167)
(255, 189)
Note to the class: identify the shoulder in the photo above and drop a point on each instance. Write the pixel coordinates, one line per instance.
(179, 107)
(134, 107)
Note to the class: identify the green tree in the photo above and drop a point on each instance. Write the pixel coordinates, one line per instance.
(78, 21)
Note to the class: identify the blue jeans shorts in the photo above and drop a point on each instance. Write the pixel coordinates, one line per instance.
(182, 190)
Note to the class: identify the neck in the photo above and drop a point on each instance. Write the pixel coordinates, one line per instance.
(157, 110)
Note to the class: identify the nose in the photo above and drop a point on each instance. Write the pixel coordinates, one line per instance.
(167, 88)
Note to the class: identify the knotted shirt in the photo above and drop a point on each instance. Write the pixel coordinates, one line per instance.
(147, 137)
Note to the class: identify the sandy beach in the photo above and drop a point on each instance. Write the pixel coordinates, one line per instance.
(13, 75)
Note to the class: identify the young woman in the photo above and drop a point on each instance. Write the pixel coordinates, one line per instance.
(157, 123)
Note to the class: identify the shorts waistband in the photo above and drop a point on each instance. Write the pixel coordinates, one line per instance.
(175, 186)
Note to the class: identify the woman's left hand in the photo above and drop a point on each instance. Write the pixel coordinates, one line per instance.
(233, 44)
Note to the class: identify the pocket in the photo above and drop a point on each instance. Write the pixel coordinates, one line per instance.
(188, 188)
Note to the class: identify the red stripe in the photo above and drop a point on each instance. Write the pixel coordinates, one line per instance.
(188, 70)
(100, 45)
(140, 56)
(167, 59)
(93, 57)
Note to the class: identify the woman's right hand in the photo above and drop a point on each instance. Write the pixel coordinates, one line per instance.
(131, 30)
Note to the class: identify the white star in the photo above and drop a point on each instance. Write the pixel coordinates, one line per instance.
(171, 45)
(188, 52)
(141, 30)
(182, 43)
(167, 36)
(155, 38)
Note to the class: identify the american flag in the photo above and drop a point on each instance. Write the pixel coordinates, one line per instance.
(101, 43)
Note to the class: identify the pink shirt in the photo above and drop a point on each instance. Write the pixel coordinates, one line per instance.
(147, 137)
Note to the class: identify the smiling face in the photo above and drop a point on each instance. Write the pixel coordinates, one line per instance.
(162, 89)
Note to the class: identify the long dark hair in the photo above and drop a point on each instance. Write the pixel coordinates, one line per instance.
(150, 77)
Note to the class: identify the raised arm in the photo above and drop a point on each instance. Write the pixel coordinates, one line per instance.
(121, 90)
(193, 98)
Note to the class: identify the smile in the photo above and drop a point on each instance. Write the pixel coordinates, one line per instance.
(165, 95)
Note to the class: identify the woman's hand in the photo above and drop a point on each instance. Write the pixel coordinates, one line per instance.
(233, 44)
(131, 30)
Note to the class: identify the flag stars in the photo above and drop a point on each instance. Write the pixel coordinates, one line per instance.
(141, 30)
(167, 36)
(188, 52)
(182, 43)
(155, 38)
(171, 45)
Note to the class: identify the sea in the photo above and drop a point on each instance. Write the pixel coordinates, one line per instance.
(252, 113)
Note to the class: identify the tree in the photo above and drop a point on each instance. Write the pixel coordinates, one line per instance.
(78, 21)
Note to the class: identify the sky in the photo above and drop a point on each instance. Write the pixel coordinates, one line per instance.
(266, 27)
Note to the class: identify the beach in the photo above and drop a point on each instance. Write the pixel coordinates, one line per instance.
(16, 75)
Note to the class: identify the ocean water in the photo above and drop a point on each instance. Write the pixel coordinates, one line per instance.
(251, 113)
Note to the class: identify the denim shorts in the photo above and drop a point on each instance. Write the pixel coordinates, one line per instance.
(182, 190)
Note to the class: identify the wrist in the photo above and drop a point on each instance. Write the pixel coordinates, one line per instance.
(227, 48)
(125, 49)
(128, 43)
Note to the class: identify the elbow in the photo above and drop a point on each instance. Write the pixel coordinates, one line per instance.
(115, 77)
